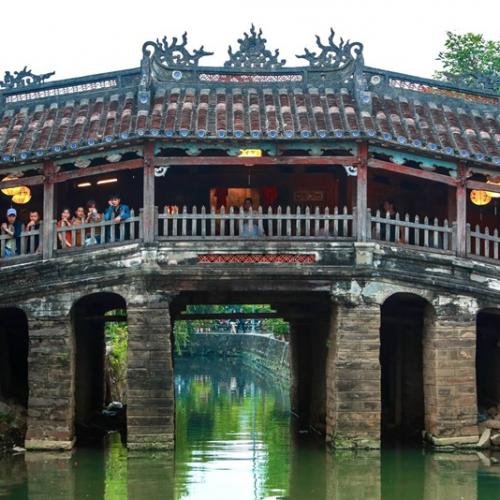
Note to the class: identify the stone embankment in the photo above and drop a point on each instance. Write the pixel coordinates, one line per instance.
(12, 424)
(490, 429)
(262, 352)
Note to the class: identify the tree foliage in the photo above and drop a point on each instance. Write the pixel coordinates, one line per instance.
(117, 341)
(466, 54)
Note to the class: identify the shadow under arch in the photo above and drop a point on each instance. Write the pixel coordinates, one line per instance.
(488, 361)
(14, 387)
(88, 319)
(404, 319)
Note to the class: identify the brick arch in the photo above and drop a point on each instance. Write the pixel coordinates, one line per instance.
(91, 387)
(488, 361)
(403, 321)
(14, 356)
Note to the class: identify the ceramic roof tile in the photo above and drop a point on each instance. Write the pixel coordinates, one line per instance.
(452, 127)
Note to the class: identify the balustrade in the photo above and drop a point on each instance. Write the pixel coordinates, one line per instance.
(271, 224)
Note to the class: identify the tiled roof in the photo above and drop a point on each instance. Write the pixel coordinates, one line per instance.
(252, 97)
(36, 129)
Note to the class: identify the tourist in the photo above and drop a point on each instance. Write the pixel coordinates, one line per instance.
(388, 211)
(65, 240)
(93, 217)
(12, 228)
(33, 225)
(117, 212)
(79, 219)
(250, 227)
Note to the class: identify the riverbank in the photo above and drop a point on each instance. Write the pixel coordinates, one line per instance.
(262, 353)
(12, 425)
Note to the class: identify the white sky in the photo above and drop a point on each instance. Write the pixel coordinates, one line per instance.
(77, 38)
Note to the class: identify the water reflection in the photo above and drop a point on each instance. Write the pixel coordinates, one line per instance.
(234, 442)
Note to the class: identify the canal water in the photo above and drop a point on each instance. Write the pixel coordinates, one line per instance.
(234, 442)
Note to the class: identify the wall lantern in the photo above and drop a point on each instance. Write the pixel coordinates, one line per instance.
(480, 198)
(12, 191)
(22, 196)
(495, 181)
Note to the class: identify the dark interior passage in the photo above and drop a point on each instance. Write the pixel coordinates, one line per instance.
(488, 360)
(401, 336)
(13, 356)
(91, 390)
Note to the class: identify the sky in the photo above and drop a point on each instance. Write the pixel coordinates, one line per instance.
(78, 38)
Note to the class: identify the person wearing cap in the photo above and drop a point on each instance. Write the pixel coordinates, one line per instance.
(12, 228)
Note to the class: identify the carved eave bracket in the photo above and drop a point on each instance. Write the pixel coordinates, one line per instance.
(253, 53)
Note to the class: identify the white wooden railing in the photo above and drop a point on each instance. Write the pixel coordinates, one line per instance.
(419, 232)
(97, 233)
(27, 243)
(483, 244)
(271, 223)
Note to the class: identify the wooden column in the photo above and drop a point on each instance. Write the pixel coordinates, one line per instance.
(48, 210)
(461, 218)
(148, 213)
(362, 193)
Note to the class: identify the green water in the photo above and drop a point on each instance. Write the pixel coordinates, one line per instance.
(234, 442)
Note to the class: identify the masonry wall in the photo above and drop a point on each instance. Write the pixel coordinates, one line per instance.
(263, 352)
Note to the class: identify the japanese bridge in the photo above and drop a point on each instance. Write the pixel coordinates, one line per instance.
(394, 307)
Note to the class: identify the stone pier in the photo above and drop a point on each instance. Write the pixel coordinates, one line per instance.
(353, 377)
(450, 375)
(150, 411)
(51, 402)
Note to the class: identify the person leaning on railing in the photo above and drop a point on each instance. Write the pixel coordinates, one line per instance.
(78, 219)
(250, 227)
(65, 236)
(33, 225)
(93, 217)
(13, 228)
(117, 212)
(389, 211)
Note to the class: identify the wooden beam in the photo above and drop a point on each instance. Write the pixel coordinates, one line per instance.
(148, 198)
(483, 186)
(48, 210)
(403, 170)
(213, 316)
(35, 180)
(100, 169)
(260, 161)
(461, 215)
(362, 193)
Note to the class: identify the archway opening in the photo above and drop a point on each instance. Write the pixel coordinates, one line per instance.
(300, 322)
(402, 393)
(97, 319)
(13, 374)
(488, 363)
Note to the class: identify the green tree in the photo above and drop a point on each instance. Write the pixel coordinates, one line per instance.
(468, 54)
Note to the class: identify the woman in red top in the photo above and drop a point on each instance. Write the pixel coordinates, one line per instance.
(65, 240)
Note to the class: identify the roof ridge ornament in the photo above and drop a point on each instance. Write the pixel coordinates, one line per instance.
(23, 78)
(334, 56)
(175, 54)
(253, 53)
(476, 81)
